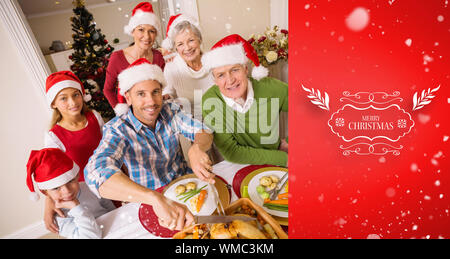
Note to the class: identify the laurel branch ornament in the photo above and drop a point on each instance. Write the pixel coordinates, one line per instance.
(425, 98)
(322, 101)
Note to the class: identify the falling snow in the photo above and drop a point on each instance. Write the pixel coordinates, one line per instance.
(390, 192)
(373, 236)
(408, 42)
(358, 19)
(423, 118)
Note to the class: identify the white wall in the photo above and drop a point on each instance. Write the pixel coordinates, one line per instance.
(220, 18)
(24, 116)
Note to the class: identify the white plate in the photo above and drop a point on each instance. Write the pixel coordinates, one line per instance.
(208, 206)
(254, 196)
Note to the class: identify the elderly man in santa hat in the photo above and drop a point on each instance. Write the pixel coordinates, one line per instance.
(244, 110)
(145, 140)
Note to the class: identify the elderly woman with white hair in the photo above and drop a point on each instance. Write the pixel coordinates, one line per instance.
(185, 74)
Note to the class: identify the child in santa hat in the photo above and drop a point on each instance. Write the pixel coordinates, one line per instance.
(56, 176)
(75, 129)
(250, 104)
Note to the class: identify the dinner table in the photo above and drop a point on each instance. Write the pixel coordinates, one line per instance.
(124, 223)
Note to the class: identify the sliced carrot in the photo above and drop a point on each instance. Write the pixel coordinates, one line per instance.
(282, 201)
(283, 195)
(201, 199)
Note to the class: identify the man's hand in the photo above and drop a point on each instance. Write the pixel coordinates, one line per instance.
(201, 164)
(171, 214)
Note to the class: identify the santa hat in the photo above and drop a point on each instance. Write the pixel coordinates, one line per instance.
(173, 22)
(142, 14)
(231, 50)
(140, 70)
(50, 168)
(62, 80)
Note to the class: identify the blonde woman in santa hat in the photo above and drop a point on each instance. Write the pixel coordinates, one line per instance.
(143, 26)
(56, 176)
(75, 129)
(248, 101)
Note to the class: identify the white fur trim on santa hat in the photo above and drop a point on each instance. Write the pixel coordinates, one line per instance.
(260, 72)
(59, 180)
(121, 108)
(56, 88)
(224, 56)
(139, 73)
(167, 44)
(139, 18)
(34, 196)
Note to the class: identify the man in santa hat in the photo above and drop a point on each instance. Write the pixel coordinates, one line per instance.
(145, 140)
(244, 110)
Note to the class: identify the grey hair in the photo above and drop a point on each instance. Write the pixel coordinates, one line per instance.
(185, 25)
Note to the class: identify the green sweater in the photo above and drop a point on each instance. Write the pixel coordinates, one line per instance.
(252, 137)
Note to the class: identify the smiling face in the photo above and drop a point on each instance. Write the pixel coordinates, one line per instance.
(232, 80)
(65, 192)
(146, 99)
(144, 36)
(69, 102)
(187, 44)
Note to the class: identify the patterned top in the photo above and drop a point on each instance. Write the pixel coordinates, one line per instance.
(153, 157)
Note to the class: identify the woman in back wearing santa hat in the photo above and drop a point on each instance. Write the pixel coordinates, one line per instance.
(75, 129)
(143, 26)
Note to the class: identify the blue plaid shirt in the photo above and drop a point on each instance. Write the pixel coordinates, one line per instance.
(153, 157)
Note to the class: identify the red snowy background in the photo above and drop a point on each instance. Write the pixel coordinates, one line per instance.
(405, 48)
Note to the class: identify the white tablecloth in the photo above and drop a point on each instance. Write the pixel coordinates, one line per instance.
(124, 222)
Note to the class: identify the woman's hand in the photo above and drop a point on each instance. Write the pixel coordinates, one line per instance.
(201, 164)
(171, 214)
(49, 215)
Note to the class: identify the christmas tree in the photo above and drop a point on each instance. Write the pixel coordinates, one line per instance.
(90, 58)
